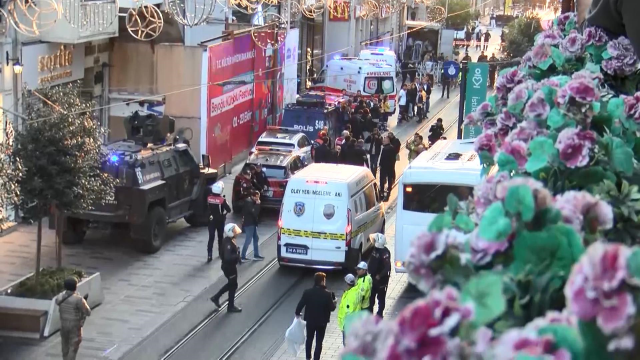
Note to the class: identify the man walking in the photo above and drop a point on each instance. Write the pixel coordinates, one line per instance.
(375, 146)
(380, 271)
(487, 37)
(318, 303)
(218, 210)
(493, 68)
(387, 167)
(402, 103)
(250, 212)
(230, 259)
(73, 312)
(445, 82)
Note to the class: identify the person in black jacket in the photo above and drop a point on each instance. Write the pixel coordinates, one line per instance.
(356, 125)
(230, 259)
(260, 178)
(318, 303)
(395, 142)
(322, 151)
(344, 152)
(250, 212)
(387, 167)
(218, 210)
(375, 146)
(436, 131)
(379, 268)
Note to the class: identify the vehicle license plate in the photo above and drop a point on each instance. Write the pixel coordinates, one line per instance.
(296, 251)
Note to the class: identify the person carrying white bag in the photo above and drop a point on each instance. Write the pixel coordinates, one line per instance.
(318, 303)
(295, 336)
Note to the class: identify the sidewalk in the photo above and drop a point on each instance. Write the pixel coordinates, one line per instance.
(141, 291)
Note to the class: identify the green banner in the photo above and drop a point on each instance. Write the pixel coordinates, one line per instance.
(476, 87)
(471, 132)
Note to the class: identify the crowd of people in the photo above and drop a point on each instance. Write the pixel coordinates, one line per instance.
(414, 100)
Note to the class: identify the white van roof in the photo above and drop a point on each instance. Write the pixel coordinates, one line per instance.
(355, 177)
(446, 162)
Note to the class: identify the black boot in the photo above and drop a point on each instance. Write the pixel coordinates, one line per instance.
(209, 258)
(215, 299)
(234, 309)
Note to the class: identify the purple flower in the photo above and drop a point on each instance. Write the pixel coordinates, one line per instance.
(518, 150)
(594, 288)
(588, 75)
(578, 207)
(553, 318)
(620, 47)
(472, 119)
(537, 107)
(485, 194)
(573, 44)
(632, 106)
(623, 60)
(565, 21)
(489, 124)
(370, 337)
(525, 132)
(527, 342)
(551, 36)
(509, 80)
(426, 248)
(503, 188)
(518, 95)
(482, 251)
(574, 146)
(482, 340)
(538, 54)
(505, 118)
(486, 142)
(594, 36)
(581, 90)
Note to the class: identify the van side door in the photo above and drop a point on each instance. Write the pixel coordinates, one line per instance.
(359, 220)
(373, 214)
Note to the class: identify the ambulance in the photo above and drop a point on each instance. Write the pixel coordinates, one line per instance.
(328, 212)
(379, 55)
(353, 75)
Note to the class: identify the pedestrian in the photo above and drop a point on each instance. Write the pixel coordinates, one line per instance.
(482, 57)
(436, 131)
(412, 95)
(402, 103)
(356, 125)
(375, 147)
(260, 178)
(422, 98)
(413, 145)
(493, 68)
(487, 37)
(395, 142)
(318, 303)
(493, 20)
(349, 303)
(362, 159)
(478, 39)
(250, 215)
(426, 85)
(364, 284)
(388, 157)
(230, 260)
(218, 210)
(386, 110)
(242, 188)
(73, 312)
(380, 270)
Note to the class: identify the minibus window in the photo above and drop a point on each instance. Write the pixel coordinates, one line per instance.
(432, 198)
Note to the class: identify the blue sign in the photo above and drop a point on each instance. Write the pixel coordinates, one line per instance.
(151, 107)
(451, 69)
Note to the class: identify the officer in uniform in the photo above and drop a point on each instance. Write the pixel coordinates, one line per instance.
(242, 188)
(230, 259)
(73, 311)
(380, 270)
(365, 284)
(218, 210)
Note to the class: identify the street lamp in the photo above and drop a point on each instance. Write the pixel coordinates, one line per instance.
(17, 65)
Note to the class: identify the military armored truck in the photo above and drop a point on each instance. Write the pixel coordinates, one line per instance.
(159, 182)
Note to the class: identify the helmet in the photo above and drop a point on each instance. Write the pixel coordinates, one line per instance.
(217, 188)
(231, 230)
(378, 240)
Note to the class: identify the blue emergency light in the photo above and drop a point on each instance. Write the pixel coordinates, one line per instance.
(114, 158)
(382, 49)
(336, 57)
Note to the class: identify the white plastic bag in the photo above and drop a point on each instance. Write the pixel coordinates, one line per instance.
(295, 336)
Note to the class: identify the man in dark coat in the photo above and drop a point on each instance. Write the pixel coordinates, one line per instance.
(318, 303)
(388, 158)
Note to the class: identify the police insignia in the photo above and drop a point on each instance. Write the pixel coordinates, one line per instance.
(329, 211)
(298, 208)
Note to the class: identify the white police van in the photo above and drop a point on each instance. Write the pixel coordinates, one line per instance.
(327, 214)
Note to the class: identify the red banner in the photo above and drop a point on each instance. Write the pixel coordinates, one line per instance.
(239, 95)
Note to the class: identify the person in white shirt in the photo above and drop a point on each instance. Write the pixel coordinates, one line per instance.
(402, 103)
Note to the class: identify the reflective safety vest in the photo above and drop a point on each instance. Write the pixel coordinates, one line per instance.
(349, 304)
(364, 284)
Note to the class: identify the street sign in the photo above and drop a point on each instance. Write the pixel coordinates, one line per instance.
(476, 87)
(451, 69)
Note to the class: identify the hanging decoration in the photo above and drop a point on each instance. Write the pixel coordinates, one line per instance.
(90, 16)
(247, 6)
(339, 10)
(4, 23)
(190, 12)
(312, 8)
(144, 22)
(435, 14)
(295, 12)
(370, 9)
(31, 18)
(272, 36)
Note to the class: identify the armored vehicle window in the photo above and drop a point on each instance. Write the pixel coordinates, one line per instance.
(185, 159)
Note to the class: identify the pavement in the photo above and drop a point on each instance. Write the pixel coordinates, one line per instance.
(142, 292)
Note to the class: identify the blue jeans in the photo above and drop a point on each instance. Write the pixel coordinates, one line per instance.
(250, 232)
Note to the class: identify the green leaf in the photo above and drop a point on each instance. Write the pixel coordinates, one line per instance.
(506, 162)
(596, 107)
(588, 176)
(464, 223)
(485, 292)
(521, 356)
(555, 119)
(486, 158)
(621, 156)
(441, 222)
(541, 149)
(565, 337)
(352, 357)
(595, 342)
(557, 57)
(549, 95)
(591, 67)
(495, 226)
(633, 263)
(544, 65)
(606, 55)
(453, 203)
(520, 201)
(615, 108)
(492, 100)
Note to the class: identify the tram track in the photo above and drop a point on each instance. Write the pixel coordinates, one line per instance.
(293, 284)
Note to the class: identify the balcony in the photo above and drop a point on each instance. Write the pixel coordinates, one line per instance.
(81, 21)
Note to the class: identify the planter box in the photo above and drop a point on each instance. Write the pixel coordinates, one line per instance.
(50, 320)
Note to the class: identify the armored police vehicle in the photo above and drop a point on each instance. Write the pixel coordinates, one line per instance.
(312, 112)
(159, 182)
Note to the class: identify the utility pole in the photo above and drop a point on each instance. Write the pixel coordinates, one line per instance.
(463, 95)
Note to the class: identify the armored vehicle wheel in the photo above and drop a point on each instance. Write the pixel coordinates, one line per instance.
(196, 220)
(74, 232)
(152, 231)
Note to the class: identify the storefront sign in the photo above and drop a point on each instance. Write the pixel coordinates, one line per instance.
(476, 89)
(339, 10)
(52, 64)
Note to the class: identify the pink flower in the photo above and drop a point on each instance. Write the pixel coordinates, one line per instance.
(518, 150)
(482, 340)
(482, 251)
(484, 194)
(574, 146)
(578, 206)
(520, 341)
(551, 36)
(486, 142)
(594, 36)
(424, 250)
(509, 80)
(503, 188)
(573, 44)
(537, 107)
(424, 326)
(525, 132)
(594, 288)
(553, 318)
(505, 118)
(632, 106)
(588, 75)
(539, 54)
(370, 337)
(520, 94)
(582, 90)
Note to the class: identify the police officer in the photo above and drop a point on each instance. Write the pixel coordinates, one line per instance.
(380, 270)
(218, 210)
(364, 284)
(230, 260)
(242, 188)
(73, 311)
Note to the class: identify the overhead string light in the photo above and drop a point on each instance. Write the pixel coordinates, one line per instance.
(191, 13)
(273, 34)
(144, 21)
(90, 16)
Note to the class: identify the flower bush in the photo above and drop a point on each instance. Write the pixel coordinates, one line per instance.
(542, 263)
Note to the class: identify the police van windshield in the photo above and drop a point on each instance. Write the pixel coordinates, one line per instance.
(432, 198)
(379, 85)
(274, 172)
(276, 144)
